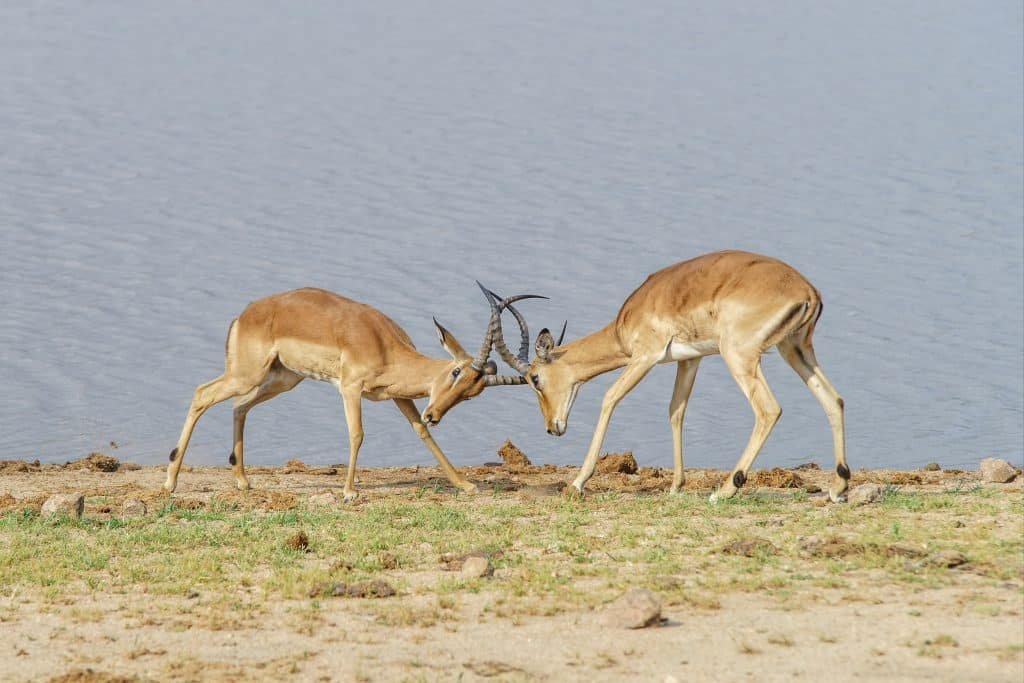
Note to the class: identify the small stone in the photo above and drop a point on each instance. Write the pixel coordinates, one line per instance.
(946, 558)
(750, 547)
(132, 507)
(637, 608)
(476, 567)
(327, 499)
(864, 494)
(997, 470)
(70, 504)
(931, 467)
(906, 550)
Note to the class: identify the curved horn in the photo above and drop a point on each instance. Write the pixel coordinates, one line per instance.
(562, 335)
(495, 334)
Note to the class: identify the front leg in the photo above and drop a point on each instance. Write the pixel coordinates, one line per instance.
(634, 372)
(352, 399)
(408, 409)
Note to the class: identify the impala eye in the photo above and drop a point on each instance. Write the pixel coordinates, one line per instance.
(456, 372)
(536, 382)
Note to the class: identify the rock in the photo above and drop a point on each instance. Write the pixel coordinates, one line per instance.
(70, 504)
(327, 499)
(476, 567)
(931, 467)
(864, 494)
(637, 608)
(750, 547)
(132, 507)
(997, 470)
(946, 558)
(512, 456)
(905, 550)
(623, 463)
(363, 589)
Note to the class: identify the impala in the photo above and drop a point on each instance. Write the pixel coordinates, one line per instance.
(732, 303)
(310, 333)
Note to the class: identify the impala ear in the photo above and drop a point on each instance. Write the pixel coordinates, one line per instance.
(545, 342)
(450, 343)
(490, 368)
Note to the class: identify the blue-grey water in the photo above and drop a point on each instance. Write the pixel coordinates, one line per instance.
(164, 163)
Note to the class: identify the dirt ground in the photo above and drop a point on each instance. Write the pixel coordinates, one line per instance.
(969, 626)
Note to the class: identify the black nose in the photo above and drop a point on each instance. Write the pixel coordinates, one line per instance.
(551, 432)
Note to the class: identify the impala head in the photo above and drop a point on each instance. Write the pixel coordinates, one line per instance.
(551, 380)
(465, 376)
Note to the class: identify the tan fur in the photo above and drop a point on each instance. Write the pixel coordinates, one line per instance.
(311, 333)
(734, 303)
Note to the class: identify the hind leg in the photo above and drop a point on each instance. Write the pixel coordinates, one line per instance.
(799, 353)
(277, 382)
(686, 372)
(745, 366)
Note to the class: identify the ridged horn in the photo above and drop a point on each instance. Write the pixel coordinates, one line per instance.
(495, 334)
(503, 380)
(562, 335)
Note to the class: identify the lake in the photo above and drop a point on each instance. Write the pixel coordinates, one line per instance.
(162, 164)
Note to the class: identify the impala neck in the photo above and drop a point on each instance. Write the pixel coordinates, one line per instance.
(412, 375)
(594, 354)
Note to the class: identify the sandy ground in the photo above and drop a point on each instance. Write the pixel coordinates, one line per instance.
(884, 635)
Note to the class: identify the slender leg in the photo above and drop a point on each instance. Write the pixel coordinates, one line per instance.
(629, 378)
(686, 372)
(408, 409)
(745, 366)
(278, 382)
(353, 400)
(800, 355)
(206, 395)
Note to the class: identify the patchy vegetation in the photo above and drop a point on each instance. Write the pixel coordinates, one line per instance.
(215, 560)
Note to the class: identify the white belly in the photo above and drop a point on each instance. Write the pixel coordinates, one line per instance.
(677, 351)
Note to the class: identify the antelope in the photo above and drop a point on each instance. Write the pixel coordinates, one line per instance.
(732, 303)
(310, 333)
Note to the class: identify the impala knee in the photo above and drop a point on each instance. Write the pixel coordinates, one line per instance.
(355, 439)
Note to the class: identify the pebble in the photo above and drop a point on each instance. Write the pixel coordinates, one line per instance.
(637, 608)
(132, 507)
(864, 494)
(997, 470)
(476, 567)
(70, 504)
(327, 499)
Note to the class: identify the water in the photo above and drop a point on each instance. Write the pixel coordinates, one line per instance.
(162, 164)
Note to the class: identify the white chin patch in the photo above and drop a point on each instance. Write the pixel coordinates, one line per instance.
(572, 399)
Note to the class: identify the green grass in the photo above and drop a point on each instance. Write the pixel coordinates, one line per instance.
(555, 554)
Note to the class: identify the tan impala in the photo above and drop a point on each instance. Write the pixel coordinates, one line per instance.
(733, 303)
(310, 333)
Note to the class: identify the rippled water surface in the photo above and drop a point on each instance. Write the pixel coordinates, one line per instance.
(164, 163)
